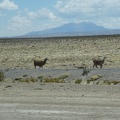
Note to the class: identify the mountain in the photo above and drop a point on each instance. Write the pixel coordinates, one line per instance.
(73, 29)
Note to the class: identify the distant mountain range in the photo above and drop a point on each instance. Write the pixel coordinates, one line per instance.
(73, 29)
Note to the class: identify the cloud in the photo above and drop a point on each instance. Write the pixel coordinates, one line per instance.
(89, 7)
(18, 22)
(43, 14)
(110, 22)
(21, 21)
(8, 5)
(101, 12)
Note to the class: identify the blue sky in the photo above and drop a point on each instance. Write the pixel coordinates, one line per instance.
(18, 17)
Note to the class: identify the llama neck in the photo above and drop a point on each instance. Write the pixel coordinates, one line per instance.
(103, 59)
(44, 61)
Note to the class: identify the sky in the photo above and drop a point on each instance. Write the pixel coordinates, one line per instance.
(18, 17)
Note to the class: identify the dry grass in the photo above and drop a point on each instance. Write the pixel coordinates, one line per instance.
(27, 80)
(64, 76)
(2, 76)
(53, 80)
(94, 78)
(61, 52)
(78, 81)
(112, 82)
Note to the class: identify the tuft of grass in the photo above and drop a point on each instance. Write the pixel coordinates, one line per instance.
(80, 67)
(78, 81)
(25, 75)
(88, 81)
(2, 76)
(18, 79)
(53, 80)
(27, 80)
(97, 83)
(40, 77)
(94, 78)
(63, 76)
(107, 82)
(59, 79)
(24, 80)
(8, 86)
(114, 82)
(33, 79)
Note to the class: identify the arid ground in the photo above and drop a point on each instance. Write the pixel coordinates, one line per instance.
(61, 52)
(59, 91)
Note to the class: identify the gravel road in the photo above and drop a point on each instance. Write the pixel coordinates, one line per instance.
(60, 108)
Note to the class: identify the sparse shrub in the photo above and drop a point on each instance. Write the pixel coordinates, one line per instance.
(8, 86)
(27, 79)
(40, 77)
(115, 82)
(107, 82)
(94, 78)
(53, 80)
(86, 69)
(2, 77)
(97, 83)
(59, 79)
(78, 81)
(18, 79)
(64, 76)
(33, 79)
(88, 81)
(25, 75)
(24, 80)
(80, 67)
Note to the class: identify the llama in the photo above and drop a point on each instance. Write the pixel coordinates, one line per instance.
(40, 63)
(99, 62)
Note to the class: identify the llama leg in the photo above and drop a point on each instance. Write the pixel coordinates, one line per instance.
(96, 66)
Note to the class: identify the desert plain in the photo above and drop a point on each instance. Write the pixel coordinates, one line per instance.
(58, 91)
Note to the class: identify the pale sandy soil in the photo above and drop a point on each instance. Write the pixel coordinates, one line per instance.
(59, 101)
(63, 101)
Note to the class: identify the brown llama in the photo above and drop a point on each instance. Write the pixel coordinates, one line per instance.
(40, 63)
(99, 62)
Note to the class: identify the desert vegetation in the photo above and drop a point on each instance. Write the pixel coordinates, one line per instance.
(2, 76)
(60, 89)
(86, 69)
(78, 81)
(68, 52)
(63, 53)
